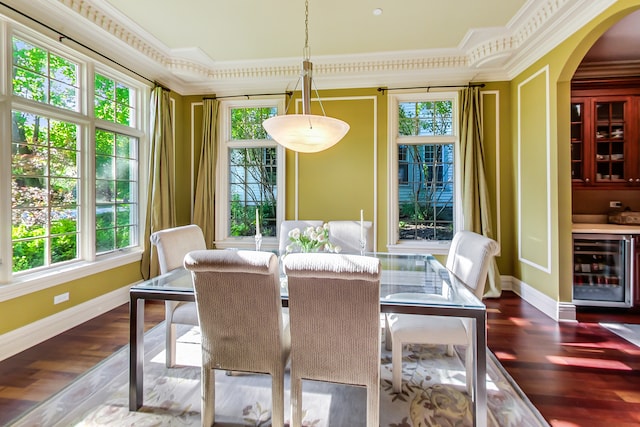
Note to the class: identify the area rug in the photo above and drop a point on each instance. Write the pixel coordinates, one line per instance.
(433, 394)
(628, 331)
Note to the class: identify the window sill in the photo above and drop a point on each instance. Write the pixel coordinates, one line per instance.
(29, 283)
(421, 247)
(247, 243)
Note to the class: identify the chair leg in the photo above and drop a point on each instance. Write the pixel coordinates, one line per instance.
(396, 366)
(277, 399)
(296, 402)
(387, 333)
(449, 349)
(208, 397)
(170, 344)
(373, 404)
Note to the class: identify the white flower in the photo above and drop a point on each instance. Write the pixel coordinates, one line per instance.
(294, 234)
(337, 249)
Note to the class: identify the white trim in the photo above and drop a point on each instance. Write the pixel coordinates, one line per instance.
(394, 244)
(547, 268)
(558, 311)
(37, 281)
(484, 54)
(222, 196)
(20, 339)
(374, 148)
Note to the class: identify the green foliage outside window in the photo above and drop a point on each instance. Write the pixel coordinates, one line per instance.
(113, 101)
(43, 76)
(252, 174)
(45, 162)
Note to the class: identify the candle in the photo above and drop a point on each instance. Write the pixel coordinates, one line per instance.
(257, 222)
(361, 225)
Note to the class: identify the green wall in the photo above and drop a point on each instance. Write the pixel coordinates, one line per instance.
(524, 118)
(21, 311)
(534, 101)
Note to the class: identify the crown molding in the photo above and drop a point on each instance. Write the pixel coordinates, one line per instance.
(487, 54)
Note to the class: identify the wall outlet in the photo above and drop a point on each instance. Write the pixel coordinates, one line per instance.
(61, 298)
(613, 204)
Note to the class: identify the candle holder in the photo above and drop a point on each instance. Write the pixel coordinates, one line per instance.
(258, 241)
(363, 245)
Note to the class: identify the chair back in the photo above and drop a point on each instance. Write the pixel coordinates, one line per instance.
(346, 234)
(334, 310)
(288, 225)
(174, 243)
(470, 256)
(239, 309)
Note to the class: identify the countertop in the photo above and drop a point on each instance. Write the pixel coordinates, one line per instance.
(605, 228)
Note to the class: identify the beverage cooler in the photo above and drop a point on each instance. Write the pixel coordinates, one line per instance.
(602, 268)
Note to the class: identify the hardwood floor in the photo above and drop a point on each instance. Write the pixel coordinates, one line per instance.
(575, 373)
(33, 375)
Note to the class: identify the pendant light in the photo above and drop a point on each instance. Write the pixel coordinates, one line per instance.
(306, 133)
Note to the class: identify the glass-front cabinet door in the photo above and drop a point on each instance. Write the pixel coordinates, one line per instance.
(605, 149)
(611, 139)
(578, 144)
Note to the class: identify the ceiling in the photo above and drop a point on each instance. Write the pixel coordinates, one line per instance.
(248, 46)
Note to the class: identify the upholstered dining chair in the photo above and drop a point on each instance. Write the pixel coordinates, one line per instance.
(241, 321)
(334, 309)
(468, 260)
(172, 245)
(287, 225)
(346, 234)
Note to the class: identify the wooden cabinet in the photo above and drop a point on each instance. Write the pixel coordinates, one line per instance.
(605, 141)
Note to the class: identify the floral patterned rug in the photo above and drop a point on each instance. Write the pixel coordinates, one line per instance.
(433, 394)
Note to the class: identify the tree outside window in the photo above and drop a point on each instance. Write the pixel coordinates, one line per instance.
(253, 173)
(425, 170)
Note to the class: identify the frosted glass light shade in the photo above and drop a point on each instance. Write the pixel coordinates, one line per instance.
(305, 133)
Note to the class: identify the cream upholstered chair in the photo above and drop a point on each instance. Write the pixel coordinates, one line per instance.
(240, 313)
(469, 258)
(288, 225)
(346, 234)
(172, 245)
(334, 308)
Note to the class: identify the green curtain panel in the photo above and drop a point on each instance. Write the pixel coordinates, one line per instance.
(203, 214)
(476, 201)
(161, 211)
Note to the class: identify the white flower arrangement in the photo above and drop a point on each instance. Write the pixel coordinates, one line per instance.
(312, 239)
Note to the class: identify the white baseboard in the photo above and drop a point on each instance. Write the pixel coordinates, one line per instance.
(558, 311)
(20, 339)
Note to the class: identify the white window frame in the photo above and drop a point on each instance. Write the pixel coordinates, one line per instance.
(223, 239)
(394, 100)
(13, 285)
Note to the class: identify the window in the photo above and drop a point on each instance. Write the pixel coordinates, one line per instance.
(423, 151)
(59, 152)
(43, 76)
(252, 176)
(44, 188)
(114, 101)
(116, 195)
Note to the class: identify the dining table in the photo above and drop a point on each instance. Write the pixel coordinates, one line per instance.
(410, 283)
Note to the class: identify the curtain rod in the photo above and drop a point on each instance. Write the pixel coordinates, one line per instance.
(62, 36)
(383, 89)
(289, 93)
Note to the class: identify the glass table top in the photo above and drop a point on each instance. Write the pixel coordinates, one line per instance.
(407, 279)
